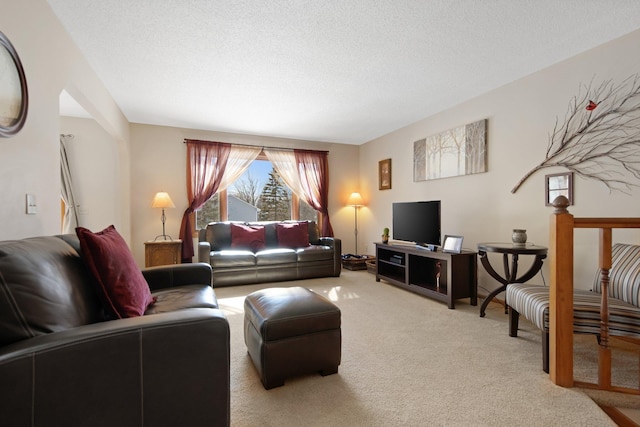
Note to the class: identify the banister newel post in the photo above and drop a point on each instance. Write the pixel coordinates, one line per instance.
(561, 294)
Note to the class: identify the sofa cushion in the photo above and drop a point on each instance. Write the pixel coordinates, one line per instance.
(250, 237)
(314, 233)
(293, 235)
(218, 234)
(232, 258)
(43, 289)
(270, 236)
(122, 287)
(276, 256)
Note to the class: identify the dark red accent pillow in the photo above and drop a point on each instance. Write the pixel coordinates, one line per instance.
(251, 237)
(123, 289)
(293, 235)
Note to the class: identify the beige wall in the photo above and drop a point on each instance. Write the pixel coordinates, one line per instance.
(29, 161)
(159, 158)
(521, 115)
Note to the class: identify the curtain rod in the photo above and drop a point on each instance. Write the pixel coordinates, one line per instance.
(261, 146)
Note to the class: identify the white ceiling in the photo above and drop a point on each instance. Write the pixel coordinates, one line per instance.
(344, 71)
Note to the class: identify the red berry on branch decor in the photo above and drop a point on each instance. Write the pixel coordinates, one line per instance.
(592, 106)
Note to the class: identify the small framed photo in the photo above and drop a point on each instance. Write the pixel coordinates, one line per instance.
(384, 174)
(452, 244)
(558, 184)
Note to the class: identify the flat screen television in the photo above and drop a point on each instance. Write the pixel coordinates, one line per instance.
(417, 222)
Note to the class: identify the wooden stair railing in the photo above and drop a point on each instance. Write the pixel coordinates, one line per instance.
(562, 225)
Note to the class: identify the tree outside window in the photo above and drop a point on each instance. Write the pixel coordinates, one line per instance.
(275, 200)
(272, 200)
(209, 212)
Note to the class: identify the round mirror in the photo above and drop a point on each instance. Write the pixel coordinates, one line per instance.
(13, 90)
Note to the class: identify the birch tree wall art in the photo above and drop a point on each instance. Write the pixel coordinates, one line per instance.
(458, 151)
(600, 136)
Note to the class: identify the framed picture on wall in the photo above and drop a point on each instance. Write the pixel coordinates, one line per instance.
(558, 184)
(384, 174)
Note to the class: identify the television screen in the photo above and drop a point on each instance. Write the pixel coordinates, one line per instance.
(417, 222)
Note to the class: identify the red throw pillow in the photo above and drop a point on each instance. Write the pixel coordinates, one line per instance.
(123, 289)
(250, 237)
(293, 235)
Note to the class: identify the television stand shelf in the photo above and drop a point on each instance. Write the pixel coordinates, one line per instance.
(442, 276)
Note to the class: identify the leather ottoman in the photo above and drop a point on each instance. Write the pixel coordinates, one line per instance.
(291, 331)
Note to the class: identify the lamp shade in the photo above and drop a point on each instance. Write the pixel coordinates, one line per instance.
(162, 200)
(355, 199)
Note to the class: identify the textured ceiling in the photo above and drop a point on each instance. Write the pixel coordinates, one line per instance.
(343, 71)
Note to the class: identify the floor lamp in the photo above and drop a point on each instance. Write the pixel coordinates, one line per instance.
(355, 200)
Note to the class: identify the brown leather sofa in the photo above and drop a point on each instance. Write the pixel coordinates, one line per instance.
(321, 258)
(63, 363)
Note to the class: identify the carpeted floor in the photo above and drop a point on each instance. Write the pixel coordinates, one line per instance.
(408, 361)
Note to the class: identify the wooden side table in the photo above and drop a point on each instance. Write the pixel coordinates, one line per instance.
(510, 274)
(162, 252)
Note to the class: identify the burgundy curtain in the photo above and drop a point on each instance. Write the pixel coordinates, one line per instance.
(313, 167)
(206, 163)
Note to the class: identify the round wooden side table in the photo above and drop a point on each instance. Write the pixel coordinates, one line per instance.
(510, 270)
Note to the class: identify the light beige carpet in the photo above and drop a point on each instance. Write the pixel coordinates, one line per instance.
(407, 361)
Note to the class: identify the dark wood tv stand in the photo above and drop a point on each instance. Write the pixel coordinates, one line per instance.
(416, 270)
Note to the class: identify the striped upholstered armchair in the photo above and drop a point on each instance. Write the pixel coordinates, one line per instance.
(532, 302)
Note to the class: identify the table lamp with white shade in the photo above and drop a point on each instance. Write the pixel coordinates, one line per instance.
(163, 200)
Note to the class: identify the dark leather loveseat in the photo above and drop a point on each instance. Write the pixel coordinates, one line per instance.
(63, 364)
(274, 259)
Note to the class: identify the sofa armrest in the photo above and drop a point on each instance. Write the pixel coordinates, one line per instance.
(144, 368)
(336, 244)
(328, 241)
(204, 252)
(170, 276)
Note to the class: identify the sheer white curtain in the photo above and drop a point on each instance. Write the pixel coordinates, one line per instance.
(284, 162)
(211, 167)
(240, 159)
(306, 173)
(71, 219)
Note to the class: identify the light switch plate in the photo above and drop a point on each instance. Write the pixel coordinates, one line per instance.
(32, 208)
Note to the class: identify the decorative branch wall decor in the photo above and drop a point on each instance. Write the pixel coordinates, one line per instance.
(600, 136)
(458, 151)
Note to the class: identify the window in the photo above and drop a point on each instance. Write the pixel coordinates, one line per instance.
(209, 212)
(258, 195)
(306, 212)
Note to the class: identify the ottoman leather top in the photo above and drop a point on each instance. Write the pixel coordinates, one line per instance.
(288, 312)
